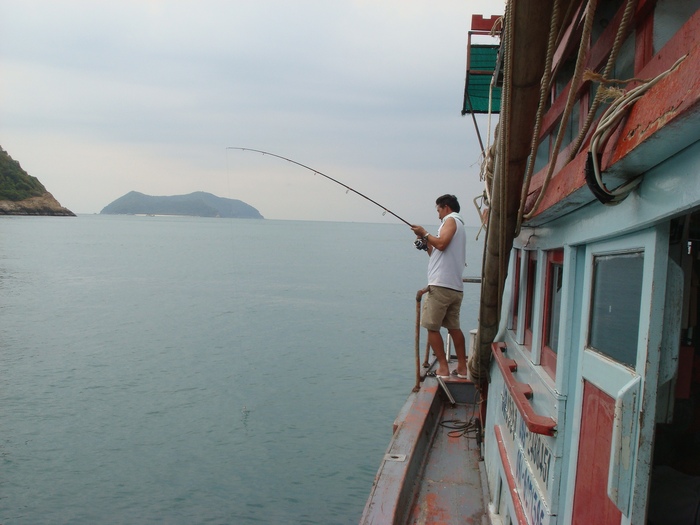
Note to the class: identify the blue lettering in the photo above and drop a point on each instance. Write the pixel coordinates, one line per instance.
(531, 448)
(540, 455)
(530, 497)
(523, 432)
(509, 412)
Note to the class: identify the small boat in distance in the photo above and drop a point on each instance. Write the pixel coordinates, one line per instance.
(584, 367)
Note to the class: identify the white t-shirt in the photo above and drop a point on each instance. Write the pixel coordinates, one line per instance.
(445, 267)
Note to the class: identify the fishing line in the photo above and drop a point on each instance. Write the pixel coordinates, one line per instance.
(386, 210)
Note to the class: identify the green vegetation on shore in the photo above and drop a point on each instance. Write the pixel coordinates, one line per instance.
(15, 183)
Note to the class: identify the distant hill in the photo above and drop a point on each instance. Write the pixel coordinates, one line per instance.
(197, 204)
(22, 194)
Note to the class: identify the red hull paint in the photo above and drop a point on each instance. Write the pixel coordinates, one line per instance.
(510, 478)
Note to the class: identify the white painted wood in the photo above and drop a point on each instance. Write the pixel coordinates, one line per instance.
(622, 452)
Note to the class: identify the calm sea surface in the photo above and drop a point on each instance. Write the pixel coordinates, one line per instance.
(187, 370)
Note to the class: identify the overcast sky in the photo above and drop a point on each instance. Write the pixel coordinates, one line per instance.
(98, 98)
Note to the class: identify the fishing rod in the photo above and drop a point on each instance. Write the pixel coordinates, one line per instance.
(386, 210)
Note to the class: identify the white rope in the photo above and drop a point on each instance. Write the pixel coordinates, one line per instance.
(608, 123)
(486, 168)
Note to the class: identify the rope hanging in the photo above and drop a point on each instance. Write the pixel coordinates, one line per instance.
(600, 94)
(570, 102)
(606, 126)
(501, 138)
(487, 156)
(504, 139)
(620, 36)
(545, 85)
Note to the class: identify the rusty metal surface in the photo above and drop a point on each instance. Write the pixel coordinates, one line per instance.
(394, 483)
(450, 489)
(427, 476)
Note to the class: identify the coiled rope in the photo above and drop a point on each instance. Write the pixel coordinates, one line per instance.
(609, 121)
(471, 428)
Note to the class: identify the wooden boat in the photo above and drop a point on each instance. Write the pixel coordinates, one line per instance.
(584, 405)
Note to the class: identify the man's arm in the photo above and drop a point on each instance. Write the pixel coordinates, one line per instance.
(448, 230)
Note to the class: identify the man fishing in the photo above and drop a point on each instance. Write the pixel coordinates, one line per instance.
(447, 251)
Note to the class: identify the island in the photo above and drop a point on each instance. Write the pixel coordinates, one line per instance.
(23, 194)
(197, 204)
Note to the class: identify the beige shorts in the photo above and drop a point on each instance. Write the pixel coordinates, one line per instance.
(441, 308)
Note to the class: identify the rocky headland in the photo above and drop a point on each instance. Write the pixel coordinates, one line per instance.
(23, 194)
(44, 204)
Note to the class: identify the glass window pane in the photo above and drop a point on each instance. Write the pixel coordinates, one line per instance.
(530, 296)
(557, 272)
(531, 278)
(516, 291)
(616, 304)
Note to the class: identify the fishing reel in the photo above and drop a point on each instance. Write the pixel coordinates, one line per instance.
(421, 244)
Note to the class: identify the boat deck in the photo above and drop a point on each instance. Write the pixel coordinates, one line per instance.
(450, 488)
(431, 472)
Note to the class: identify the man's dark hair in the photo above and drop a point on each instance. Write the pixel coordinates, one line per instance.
(448, 200)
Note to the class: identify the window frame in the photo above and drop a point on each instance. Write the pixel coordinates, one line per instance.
(515, 306)
(549, 356)
(531, 285)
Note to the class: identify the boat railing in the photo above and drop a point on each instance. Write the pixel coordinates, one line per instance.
(448, 341)
(521, 394)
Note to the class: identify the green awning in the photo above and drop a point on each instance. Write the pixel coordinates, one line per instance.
(481, 63)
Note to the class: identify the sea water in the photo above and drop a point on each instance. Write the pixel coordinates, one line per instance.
(188, 370)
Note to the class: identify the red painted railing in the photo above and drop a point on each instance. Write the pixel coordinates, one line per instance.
(520, 515)
(521, 393)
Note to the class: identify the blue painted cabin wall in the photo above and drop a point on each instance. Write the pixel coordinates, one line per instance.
(668, 190)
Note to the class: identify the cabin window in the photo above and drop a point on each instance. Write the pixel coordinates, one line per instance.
(624, 65)
(563, 78)
(592, 90)
(516, 292)
(669, 17)
(604, 14)
(542, 155)
(530, 295)
(552, 311)
(616, 306)
(571, 129)
(623, 68)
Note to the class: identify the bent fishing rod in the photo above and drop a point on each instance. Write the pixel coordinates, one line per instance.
(386, 210)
